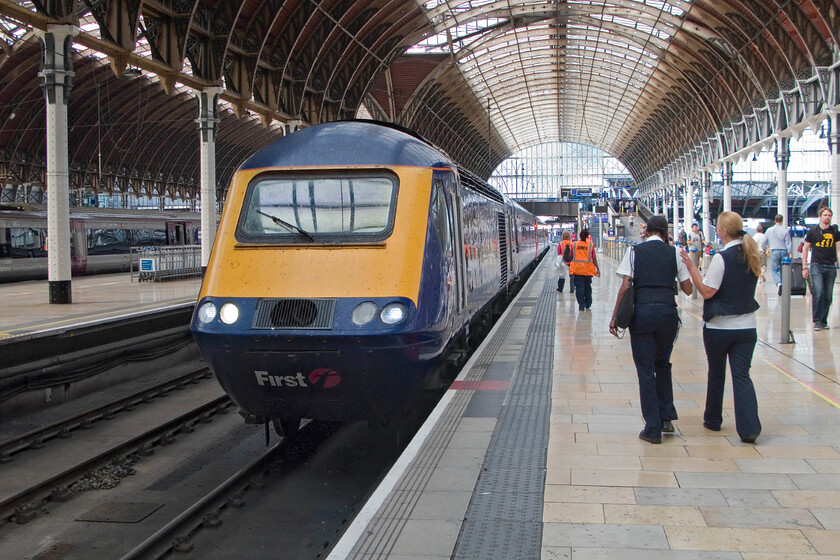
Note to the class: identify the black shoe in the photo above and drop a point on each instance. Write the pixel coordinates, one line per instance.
(710, 427)
(581, 308)
(750, 438)
(650, 439)
(667, 427)
(780, 289)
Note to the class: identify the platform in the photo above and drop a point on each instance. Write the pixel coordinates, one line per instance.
(534, 451)
(26, 309)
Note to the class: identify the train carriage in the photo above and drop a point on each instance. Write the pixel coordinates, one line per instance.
(100, 239)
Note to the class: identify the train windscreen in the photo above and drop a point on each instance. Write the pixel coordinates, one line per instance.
(332, 209)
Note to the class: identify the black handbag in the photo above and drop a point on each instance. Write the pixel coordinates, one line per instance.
(627, 307)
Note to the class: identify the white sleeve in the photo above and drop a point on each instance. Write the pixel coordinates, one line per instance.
(682, 270)
(714, 276)
(624, 266)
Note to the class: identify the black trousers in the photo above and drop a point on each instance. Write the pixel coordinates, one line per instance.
(653, 331)
(738, 346)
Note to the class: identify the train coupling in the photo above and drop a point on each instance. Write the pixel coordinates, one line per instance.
(252, 418)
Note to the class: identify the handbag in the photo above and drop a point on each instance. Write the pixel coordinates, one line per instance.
(627, 307)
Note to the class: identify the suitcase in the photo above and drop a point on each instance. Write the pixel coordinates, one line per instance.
(797, 283)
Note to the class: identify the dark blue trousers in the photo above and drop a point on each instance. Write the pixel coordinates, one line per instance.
(583, 291)
(652, 334)
(738, 346)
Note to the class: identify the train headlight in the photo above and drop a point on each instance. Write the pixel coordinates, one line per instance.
(393, 313)
(364, 313)
(229, 313)
(207, 312)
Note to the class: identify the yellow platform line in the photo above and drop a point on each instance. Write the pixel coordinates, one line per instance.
(830, 400)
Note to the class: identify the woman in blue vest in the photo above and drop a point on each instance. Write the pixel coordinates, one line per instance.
(654, 266)
(730, 326)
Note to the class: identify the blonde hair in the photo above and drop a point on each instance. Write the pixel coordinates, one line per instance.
(567, 236)
(732, 224)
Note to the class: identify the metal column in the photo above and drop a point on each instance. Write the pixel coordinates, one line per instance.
(675, 199)
(688, 206)
(706, 183)
(782, 161)
(727, 186)
(56, 81)
(834, 150)
(208, 122)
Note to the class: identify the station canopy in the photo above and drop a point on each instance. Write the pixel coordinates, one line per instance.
(667, 87)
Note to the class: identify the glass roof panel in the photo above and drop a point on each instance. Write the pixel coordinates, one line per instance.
(593, 60)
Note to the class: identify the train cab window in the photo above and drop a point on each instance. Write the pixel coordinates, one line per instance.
(322, 208)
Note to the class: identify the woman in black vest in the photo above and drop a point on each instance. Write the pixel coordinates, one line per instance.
(729, 330)
(653, 265)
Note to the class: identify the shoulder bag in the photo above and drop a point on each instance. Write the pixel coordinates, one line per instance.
(627, 307)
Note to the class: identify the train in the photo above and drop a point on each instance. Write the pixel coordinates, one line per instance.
(353, 260)
(100, 238)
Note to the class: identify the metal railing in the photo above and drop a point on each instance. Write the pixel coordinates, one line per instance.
(165, 263)
(615, 247)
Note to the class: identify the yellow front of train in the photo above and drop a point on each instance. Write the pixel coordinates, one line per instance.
(294, 266)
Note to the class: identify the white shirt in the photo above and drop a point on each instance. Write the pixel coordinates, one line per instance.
(625, 270)
(713, 279)
(761, 241)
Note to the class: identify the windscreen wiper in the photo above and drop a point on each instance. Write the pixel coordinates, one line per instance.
(286, 224)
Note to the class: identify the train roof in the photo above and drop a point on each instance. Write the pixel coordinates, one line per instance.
(348, 143)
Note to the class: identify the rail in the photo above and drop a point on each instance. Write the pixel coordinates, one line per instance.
(165, 263)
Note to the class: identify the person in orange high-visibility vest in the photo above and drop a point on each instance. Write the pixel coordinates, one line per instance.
(584, 267)
(563, 267)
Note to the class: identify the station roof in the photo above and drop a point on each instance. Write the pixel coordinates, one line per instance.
(667, 87)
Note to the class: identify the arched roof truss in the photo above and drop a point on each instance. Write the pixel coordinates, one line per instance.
(666, 86)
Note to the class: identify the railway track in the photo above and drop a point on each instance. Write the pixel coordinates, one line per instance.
(23, 504)
(206, 512)
(38, 437)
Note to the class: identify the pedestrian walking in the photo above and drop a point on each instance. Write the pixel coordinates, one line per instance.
(729, 329)
(696, 243)
(653, 266)
(584, 267)
(822, 242)
(781, 246)
(761, 241)
(562, 266)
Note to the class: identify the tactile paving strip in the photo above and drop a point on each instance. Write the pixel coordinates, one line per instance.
(511, 540)
(384, 530)
(504, 518)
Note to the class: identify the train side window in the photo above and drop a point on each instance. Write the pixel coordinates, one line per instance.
(148, 237)
(440, 215)
(27, 242)
(108, 241)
